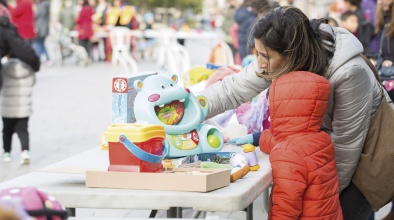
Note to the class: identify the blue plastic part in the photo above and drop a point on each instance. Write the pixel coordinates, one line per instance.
(140, 154)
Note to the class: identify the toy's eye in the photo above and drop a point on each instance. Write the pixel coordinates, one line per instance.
(171, 85)
(163, 87)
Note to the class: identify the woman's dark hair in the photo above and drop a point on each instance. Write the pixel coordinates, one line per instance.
(85, 3)
(289, 32)
(4, 2)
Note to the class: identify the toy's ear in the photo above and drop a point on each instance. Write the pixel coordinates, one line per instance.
(174, 78)
(138, 84)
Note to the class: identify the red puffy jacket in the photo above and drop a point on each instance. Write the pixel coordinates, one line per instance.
(302, 156)
(23, 18)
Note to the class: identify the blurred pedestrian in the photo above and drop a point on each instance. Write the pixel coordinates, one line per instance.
(349, 21)
(365, 30)
(245, 16)
(41, 18)
(23, 18)
(85, 26)
(15, 94)
(67, 16)
(16, 105)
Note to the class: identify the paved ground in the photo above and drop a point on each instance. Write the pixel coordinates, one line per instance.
(72, 106)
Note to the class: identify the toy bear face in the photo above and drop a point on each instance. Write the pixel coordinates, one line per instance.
(160, 100)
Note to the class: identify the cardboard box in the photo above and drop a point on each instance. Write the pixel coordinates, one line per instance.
(177, 179)
(123, 96)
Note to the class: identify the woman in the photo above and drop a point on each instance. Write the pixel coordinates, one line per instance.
(287, 41)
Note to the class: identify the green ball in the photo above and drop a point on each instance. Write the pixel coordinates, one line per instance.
(213, 141)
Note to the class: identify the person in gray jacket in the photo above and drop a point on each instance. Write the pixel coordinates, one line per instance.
(41, 18)
(16, 105)
(287, 41)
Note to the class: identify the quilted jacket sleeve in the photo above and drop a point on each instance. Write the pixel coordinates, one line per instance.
(267, 141)
(234, 90)
(353, 97)
(290, 176)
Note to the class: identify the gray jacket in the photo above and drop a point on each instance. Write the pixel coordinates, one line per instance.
(355, 96)
(16, 93)
(41, 18)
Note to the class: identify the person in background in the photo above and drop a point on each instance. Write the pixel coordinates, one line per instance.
(244, 16)
(16, 105)
(13, 46)
(23, 18)
(42, 24)
(85, 26)
(349, 21)
(293, 43)
(366, 30)
(67, 16)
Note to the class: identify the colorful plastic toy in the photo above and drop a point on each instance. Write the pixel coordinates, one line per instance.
(160, 100)
(250, 154)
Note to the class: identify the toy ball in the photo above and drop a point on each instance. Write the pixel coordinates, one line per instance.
(213, 141)
(238, 160)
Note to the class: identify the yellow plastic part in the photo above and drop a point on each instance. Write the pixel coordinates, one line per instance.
(134, 132)
(248, 148)
(254, 168)
(103, 142)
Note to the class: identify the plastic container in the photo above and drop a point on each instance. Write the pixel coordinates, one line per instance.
(136, 147)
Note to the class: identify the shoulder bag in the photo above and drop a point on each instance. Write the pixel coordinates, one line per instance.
(374, 176)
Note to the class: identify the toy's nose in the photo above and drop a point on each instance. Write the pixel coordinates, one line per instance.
(154, 97)
(187, 90)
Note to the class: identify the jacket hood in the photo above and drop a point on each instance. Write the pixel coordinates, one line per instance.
(298, 101)
(347, 46)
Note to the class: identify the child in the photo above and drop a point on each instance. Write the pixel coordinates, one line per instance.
(349, 21)
(16, 105)
(305, 181)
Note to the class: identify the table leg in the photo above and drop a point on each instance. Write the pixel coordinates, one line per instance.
(71, 212)
(266, 199)
(249, 212)
(171, 213)
(179, 212)
(196, 214)
(153, 213)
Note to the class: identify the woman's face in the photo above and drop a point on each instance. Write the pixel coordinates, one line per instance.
(385, 4)
(270, 61)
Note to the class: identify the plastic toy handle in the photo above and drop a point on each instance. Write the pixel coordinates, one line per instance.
(140, 154)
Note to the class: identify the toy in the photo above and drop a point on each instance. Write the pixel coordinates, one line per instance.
(246, 157)
(136, 147)
(160, 100)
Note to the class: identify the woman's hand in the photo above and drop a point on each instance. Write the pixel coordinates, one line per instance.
(387, 63)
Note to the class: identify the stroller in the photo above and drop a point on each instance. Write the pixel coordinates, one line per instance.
(64, 47)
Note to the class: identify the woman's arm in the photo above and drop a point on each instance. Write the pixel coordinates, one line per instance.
(234, 90)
